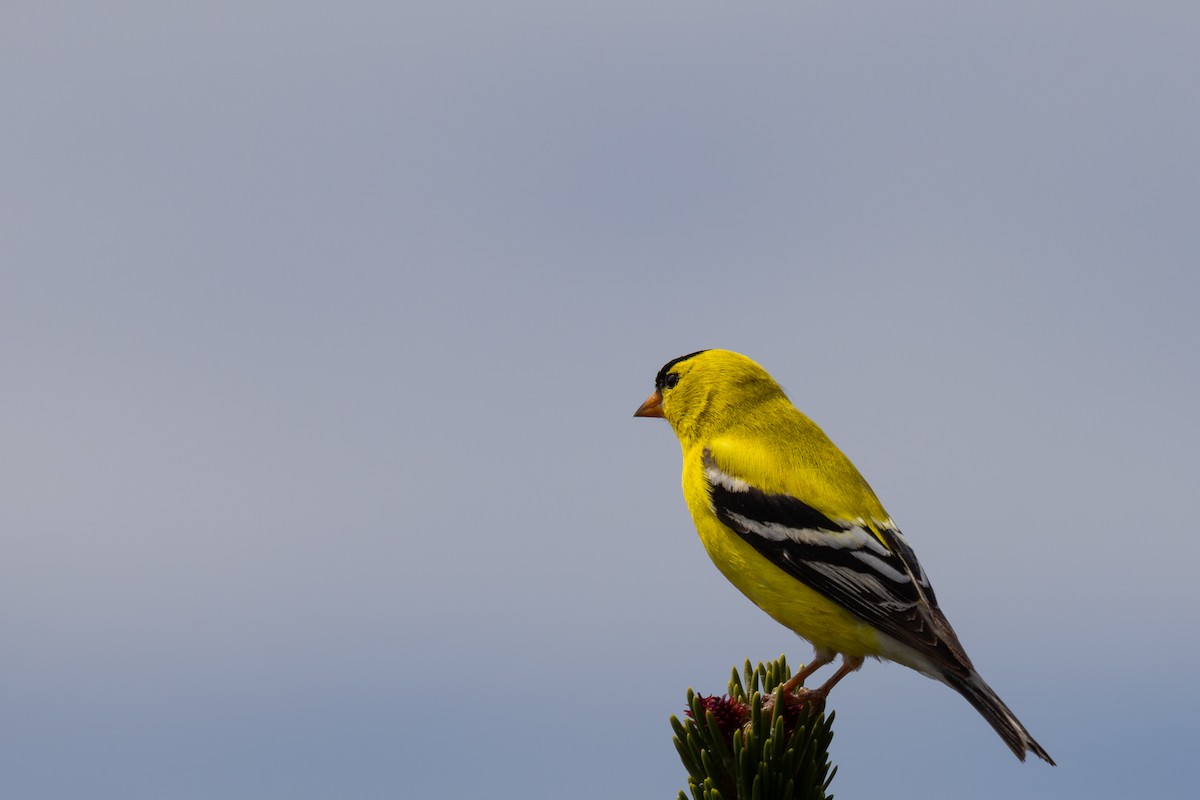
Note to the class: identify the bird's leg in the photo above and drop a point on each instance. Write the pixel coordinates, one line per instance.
(849, 664)
(819, 660)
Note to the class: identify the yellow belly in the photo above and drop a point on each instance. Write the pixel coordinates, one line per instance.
(823, 623)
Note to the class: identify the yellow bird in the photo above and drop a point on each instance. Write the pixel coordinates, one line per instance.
(791, 523)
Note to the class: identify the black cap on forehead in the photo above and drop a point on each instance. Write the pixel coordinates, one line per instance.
(662, 373)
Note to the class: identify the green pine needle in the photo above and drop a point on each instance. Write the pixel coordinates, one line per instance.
(753, 743)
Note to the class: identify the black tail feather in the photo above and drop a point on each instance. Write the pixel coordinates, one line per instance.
(987, 703)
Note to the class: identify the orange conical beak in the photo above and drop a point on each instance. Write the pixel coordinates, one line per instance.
(651, 408)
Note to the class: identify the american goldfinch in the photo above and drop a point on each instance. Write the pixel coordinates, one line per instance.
(791, 523)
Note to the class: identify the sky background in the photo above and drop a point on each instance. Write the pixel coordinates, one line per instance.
(322, 326)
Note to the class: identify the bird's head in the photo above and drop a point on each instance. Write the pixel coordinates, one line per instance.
(704, 392)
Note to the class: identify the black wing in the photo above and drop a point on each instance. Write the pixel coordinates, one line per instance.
(875, 577)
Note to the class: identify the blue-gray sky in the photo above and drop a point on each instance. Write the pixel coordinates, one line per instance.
(322, 326)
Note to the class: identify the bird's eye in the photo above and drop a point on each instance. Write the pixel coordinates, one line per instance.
(670, 380)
